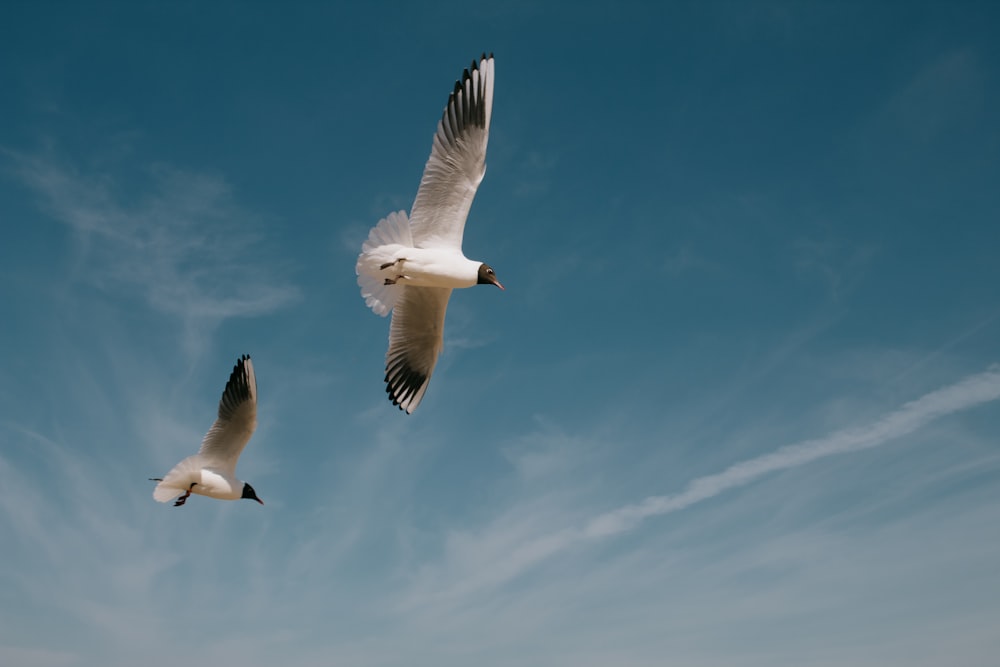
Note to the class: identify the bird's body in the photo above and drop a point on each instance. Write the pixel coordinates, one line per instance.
(422, 267)
(206, 481)
(212, 471)
(409, 266)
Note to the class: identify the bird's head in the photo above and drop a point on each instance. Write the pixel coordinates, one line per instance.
(487, 276)
(250, 494)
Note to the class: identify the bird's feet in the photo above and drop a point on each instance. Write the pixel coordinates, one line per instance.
(187, 494)
(383, 267)
(393, 281)
(392, 263)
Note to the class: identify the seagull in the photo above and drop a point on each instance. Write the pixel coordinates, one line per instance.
(410, 266)
(212, 471)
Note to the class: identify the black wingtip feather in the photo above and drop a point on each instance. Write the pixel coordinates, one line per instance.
(402, 383)
(238, 388)
(469, 111)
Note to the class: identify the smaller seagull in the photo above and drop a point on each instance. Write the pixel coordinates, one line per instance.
(410, 266)
(212, 471)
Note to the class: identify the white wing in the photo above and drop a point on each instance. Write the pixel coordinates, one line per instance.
(416, 337)
(457, 162)
(237, 419)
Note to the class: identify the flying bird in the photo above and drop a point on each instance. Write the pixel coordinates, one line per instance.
(410, 266)
(212, 471)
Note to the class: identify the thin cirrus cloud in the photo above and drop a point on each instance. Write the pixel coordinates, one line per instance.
(183, 243)
(473, 563)
(133, 609)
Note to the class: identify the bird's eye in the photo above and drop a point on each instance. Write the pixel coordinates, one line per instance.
(489, 271)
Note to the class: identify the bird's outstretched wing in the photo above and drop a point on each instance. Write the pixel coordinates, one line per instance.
(457, 162)
(416, 337)
(237, 419)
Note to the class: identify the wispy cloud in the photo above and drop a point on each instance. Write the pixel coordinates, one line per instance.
(176, 237)
(840, 268)
(963, 395)
(521, 540)
(68, 525)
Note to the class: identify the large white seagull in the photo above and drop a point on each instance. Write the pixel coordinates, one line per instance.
(410, 266)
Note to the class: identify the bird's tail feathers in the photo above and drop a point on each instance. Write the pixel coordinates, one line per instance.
(177, 481)
(391, 234)
(394, 229)
(380, 297)
(164, 493)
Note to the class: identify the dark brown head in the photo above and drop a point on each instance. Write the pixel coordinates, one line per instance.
(250, 494)
(487, 276)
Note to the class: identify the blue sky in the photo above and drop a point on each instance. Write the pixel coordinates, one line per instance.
(738, 405)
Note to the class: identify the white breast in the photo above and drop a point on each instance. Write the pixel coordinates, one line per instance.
(219, 486)
(435, 267)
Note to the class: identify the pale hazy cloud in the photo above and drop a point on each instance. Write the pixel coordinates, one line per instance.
(178, 238)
